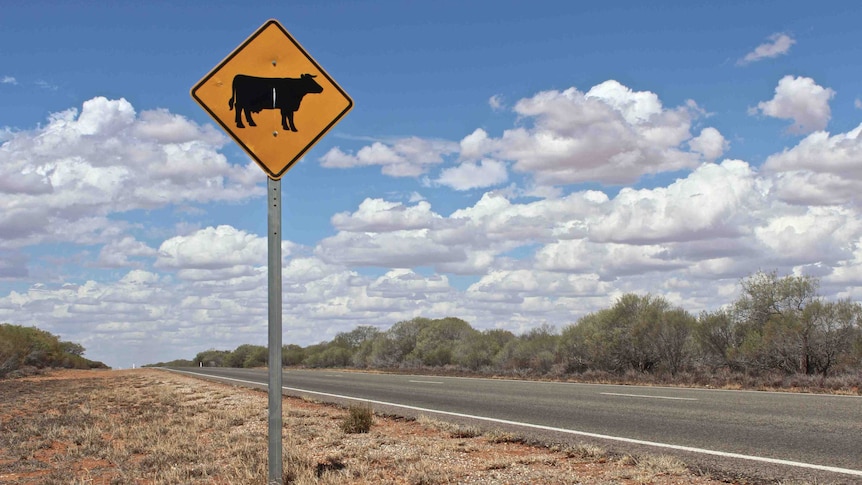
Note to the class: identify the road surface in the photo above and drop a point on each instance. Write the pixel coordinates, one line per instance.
(807, 436)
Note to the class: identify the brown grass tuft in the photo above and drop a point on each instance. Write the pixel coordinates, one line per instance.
(358, 419)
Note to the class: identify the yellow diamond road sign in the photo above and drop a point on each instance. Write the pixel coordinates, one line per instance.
(272, 98)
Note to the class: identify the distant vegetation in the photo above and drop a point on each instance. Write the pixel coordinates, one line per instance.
(779, 329)
(23, 348)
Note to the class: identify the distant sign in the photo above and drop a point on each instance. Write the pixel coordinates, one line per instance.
(272, 98)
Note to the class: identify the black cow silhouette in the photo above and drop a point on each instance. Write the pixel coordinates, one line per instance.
(254, 94)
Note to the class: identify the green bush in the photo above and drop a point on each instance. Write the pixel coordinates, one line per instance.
(31, 347)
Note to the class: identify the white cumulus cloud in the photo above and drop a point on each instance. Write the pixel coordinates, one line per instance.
(470, 175)
(710, 143)
(407, 284)
(801, 100)
(476, 144)
(407, 157)
(215, 253)
(116, 253)
(713, 201)
(106, 159)
(821, 169)
(378, 215)
(611, 134)
(813, 235)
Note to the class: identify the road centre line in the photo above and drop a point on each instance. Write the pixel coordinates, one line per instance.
(653, 397)
(762, 459)
(426, 382)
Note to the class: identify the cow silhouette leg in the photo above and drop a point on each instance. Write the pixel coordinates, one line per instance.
(238, 118)
(248, 118)
(289, 116)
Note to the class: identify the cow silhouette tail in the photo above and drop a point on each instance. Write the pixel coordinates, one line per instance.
(232, 94)
(230, 102)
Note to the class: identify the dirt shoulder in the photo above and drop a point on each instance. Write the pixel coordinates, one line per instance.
(150, 427)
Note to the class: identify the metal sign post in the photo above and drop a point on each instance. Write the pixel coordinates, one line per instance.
(276, 102)
(273, 197)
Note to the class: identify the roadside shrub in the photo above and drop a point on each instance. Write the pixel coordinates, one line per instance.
(358, 420)
(22, 347)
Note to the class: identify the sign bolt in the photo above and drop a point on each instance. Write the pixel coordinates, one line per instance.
(274, 133)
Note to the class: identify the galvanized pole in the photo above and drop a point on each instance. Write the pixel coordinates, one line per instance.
(276, 476)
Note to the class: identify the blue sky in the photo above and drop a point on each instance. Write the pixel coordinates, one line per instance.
(510, 163)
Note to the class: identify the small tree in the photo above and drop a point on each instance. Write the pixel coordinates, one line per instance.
(397, 343)
(257, 357)
(787, 326)
(479, 349)
(240, 356)
(72, 348)
(436, 341)
(644, 333)
(534, 350)
(836, 329)
(292, 354)
(716, 337)
(673, 339)
(572, 348)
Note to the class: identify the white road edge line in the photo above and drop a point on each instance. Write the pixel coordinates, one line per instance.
(833, 469)
(652, 397)
(426, 382)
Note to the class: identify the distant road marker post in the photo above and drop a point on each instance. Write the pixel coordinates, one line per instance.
(276, 102)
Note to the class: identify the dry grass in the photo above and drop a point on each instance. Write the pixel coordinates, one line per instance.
(151, 427)
(454, 430)
(358, 419)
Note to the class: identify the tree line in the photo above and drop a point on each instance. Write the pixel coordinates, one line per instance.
(777, 325)
(29, 347)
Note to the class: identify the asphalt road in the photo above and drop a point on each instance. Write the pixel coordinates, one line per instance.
(817, 435)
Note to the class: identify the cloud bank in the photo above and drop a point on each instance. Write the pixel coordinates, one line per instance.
(508, 258)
